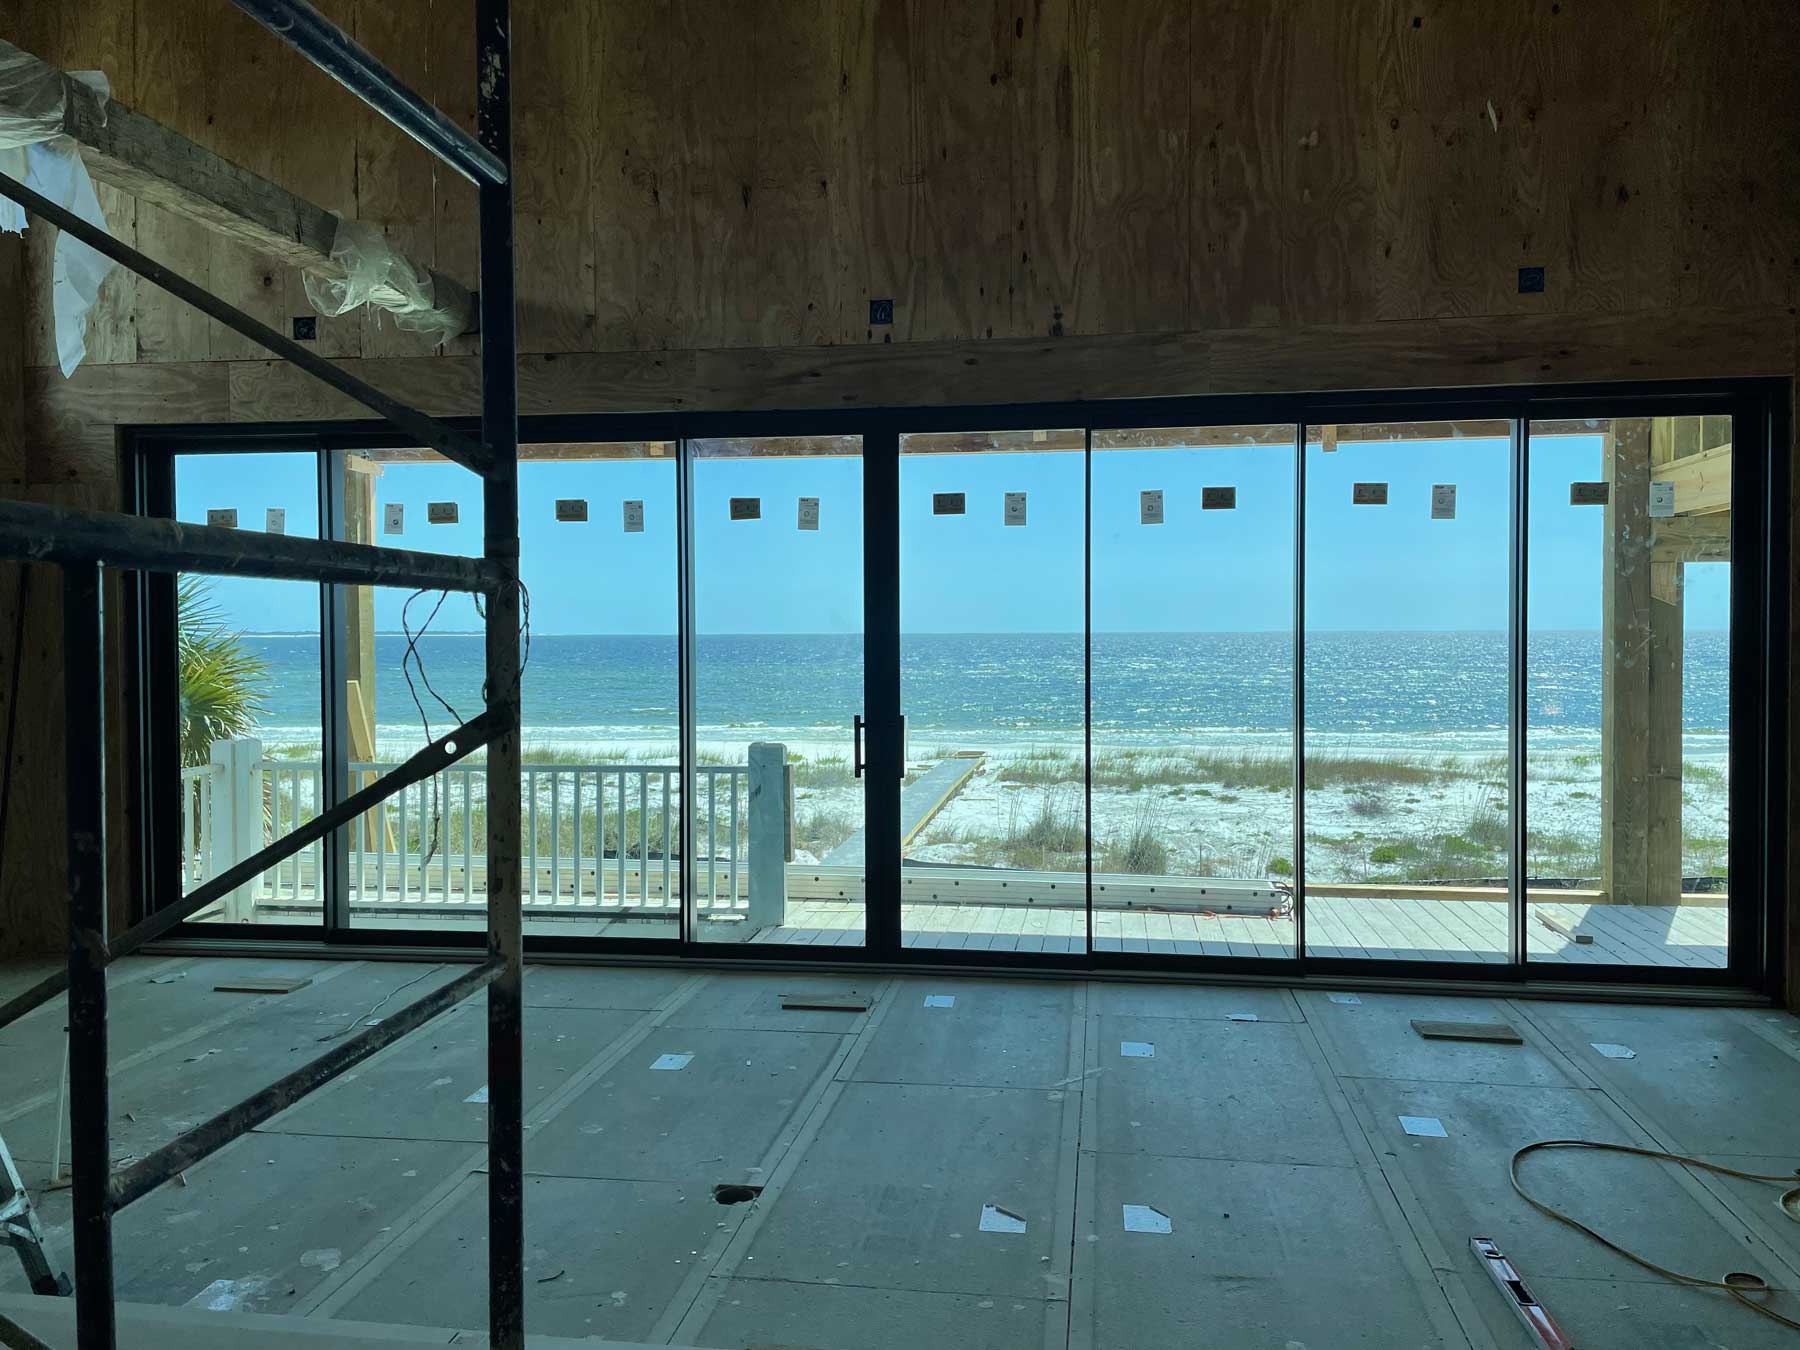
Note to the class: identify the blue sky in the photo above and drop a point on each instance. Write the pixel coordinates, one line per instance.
(1369, 567)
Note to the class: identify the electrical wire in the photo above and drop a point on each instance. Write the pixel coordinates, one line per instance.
(379, 1004)
(411, 658)
(1743, 1286)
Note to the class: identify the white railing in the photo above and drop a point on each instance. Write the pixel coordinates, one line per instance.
(597, 836)
(196, 824)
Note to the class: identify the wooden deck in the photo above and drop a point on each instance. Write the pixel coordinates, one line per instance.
(1472, 931)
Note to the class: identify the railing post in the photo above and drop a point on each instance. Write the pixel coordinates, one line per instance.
(768, 835)
(237, 817)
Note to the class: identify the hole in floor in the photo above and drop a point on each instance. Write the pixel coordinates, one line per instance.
(735, 1195)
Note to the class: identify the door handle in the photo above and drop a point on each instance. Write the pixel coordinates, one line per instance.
(856, 763)
(902, 747)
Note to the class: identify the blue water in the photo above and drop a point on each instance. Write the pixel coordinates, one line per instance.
(1450, 687)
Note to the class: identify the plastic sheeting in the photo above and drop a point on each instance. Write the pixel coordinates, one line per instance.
(33, 150)
(376, 273)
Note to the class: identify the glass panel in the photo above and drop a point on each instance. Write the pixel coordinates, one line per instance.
(247, 654)
(1407, 615)
(778, 679)
(1628, 660)
(600, 695)
(1193, 683)
(993, 811)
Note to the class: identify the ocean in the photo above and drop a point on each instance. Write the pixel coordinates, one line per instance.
(1438, 692)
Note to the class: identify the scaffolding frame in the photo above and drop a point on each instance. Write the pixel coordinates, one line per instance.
(82, 543)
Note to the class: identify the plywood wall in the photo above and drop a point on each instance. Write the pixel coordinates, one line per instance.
(1062, 198)
(720, 173)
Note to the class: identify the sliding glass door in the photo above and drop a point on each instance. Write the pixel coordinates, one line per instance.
(1628, 648)
(777, 853)
(993, 809)
(1407, 800)
(1193, 704)
(1473, 687)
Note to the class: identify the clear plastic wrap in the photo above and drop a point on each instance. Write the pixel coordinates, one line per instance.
(33, 100)
(376, 273)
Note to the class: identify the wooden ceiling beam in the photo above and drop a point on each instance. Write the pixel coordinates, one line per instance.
(1702, 481)
(140, 156)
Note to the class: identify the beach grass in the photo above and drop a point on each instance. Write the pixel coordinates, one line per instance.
(1133, 770)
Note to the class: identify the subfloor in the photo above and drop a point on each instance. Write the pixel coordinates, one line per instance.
(974, 1162)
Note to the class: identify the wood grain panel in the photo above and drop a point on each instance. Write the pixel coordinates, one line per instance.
(1421, 354)
(450, 84)
(639, 183)
(273, 391)
(714, 113)
(112, 322)
(12, 363)
(797, 175)
(877, 220)
(323, 166)
(962, 97)
(1134, 163)
(1239, 63)
(252, 81)
(556, 59)
(1046, 167)
(173, 42)
(756, 173)
(71, 425)
(1327, 159)
(33, 885)
(1733, 137)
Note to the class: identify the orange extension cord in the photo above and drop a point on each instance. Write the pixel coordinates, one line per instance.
(1746, 1288)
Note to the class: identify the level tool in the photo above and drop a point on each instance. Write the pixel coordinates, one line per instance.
(1542, 1326)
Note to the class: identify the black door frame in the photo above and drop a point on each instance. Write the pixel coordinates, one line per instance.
(1758, 676)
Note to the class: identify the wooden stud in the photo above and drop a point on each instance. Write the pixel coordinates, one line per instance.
(1625, 637)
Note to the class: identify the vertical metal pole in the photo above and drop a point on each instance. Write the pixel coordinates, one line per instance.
(1087, 678)
(1518, 711)
(686, 660)
(1300, 691)
(886, 757)
(500, 432)
(90, 1149)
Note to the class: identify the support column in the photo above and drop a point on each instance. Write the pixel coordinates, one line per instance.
(360, 474)
(768, 835)
(90, 1145)
(1663, 657)
(1625, 666)
(500, 506)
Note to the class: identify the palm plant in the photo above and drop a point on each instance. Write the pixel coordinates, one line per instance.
(220, 680)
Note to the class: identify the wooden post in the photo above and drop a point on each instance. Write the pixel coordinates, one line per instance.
(360, 474)
(1625, 666)
(237, 820)
(1669, 437)
(768, 835)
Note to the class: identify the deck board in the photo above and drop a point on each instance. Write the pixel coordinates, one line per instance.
(1469, 932)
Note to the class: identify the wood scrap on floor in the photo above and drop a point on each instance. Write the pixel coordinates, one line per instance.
(850, 1003)
(259, 984)
(1556, 925)
(1499, 1033)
